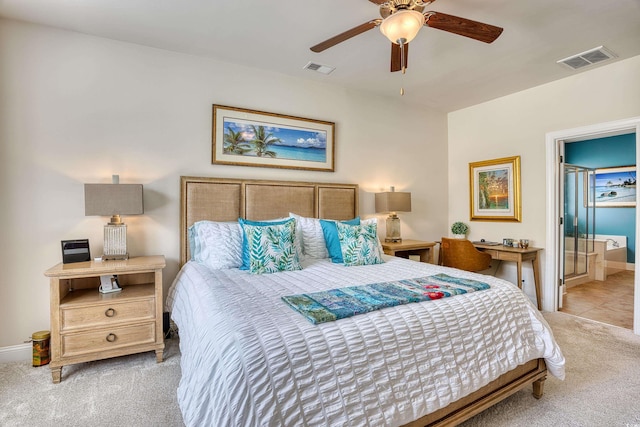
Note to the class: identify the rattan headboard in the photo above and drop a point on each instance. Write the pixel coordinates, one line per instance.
(221, 199)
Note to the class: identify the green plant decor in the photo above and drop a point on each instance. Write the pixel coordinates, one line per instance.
(459, 228)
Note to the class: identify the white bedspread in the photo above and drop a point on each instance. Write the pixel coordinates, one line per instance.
(248, 359)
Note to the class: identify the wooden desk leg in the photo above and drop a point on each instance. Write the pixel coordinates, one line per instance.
(536, 281)
(519, 262)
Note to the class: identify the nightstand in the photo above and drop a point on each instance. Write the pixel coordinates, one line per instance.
(87, 325)
(410, 247)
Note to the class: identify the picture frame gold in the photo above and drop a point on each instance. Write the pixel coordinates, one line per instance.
(495, 193)
(243, 137)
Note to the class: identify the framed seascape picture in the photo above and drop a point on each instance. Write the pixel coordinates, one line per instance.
(495, 190)
(244, 137)
(614, 187)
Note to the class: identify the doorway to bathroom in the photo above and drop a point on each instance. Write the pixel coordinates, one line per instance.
(598, 214)
(555, 145)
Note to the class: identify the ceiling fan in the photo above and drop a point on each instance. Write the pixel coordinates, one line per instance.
(401, 21)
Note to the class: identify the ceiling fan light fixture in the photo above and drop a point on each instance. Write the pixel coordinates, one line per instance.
(404, 24)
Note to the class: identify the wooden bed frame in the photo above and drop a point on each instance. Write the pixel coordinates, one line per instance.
(220, 199)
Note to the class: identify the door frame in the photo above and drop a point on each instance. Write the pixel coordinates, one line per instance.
(552, 250)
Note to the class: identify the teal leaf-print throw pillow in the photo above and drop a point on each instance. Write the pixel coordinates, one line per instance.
(271, 247)
(359, 244)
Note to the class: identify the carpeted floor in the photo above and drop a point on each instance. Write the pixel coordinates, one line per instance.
(124, 391)
(602, 387)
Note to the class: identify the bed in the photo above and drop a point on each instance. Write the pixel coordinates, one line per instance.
(250, 359)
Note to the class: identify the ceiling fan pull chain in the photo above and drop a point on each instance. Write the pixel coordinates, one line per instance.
(402, 47)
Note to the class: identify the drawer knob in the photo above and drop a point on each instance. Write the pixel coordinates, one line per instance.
(111, 337)
(110, 312)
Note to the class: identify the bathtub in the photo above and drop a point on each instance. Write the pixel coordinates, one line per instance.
(605, 255)
(614, 250)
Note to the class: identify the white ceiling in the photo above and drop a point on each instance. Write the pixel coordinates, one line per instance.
(446, 71)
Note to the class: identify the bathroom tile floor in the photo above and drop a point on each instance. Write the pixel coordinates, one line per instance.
(609, 301)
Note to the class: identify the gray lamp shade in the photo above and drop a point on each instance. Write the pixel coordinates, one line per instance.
(392, 201)
(113, 199)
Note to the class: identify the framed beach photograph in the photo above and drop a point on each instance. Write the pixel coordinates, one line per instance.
(495, 190)
(614, 187)
(244, 137)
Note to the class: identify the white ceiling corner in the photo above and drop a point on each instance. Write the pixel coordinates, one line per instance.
(446, 71)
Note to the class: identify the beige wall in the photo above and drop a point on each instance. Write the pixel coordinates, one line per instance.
(517, 125)
(76, 109)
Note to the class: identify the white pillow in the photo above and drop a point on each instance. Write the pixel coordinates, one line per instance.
(310, 237)
(218, 245)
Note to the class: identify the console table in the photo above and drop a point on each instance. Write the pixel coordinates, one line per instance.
(517, 255)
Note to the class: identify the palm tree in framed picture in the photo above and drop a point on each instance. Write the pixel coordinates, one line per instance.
(234, 142)
(262, 140)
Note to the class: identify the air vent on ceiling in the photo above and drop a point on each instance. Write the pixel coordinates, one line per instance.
(324, 69)
(591, 56)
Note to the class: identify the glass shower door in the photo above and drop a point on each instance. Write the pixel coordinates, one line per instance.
(579, 219)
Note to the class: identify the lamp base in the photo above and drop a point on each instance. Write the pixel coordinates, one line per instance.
(393, 229)
(397, 240)
(115, 242)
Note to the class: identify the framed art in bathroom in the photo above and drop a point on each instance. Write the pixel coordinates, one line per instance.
(614, 187)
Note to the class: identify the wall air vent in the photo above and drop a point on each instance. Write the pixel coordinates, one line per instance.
(591, 56)
(324, 69)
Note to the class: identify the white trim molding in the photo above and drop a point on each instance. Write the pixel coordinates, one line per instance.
(16, 353)
(550, 286)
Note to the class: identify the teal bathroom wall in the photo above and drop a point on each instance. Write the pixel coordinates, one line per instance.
(613, 151)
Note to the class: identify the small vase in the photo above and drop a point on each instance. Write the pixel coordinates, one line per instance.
(459, 236)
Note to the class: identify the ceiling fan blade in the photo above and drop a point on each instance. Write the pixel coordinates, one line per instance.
(378, 1)
(346, 35)
(462, 26)
(396, 56)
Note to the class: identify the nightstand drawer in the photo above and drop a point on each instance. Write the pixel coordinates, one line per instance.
(107, 339)
(106, 314)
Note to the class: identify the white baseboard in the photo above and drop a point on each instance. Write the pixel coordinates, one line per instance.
(16, 353)
(620, 265)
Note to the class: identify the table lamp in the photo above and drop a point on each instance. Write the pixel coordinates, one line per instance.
(113, 200)
(392, 202)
